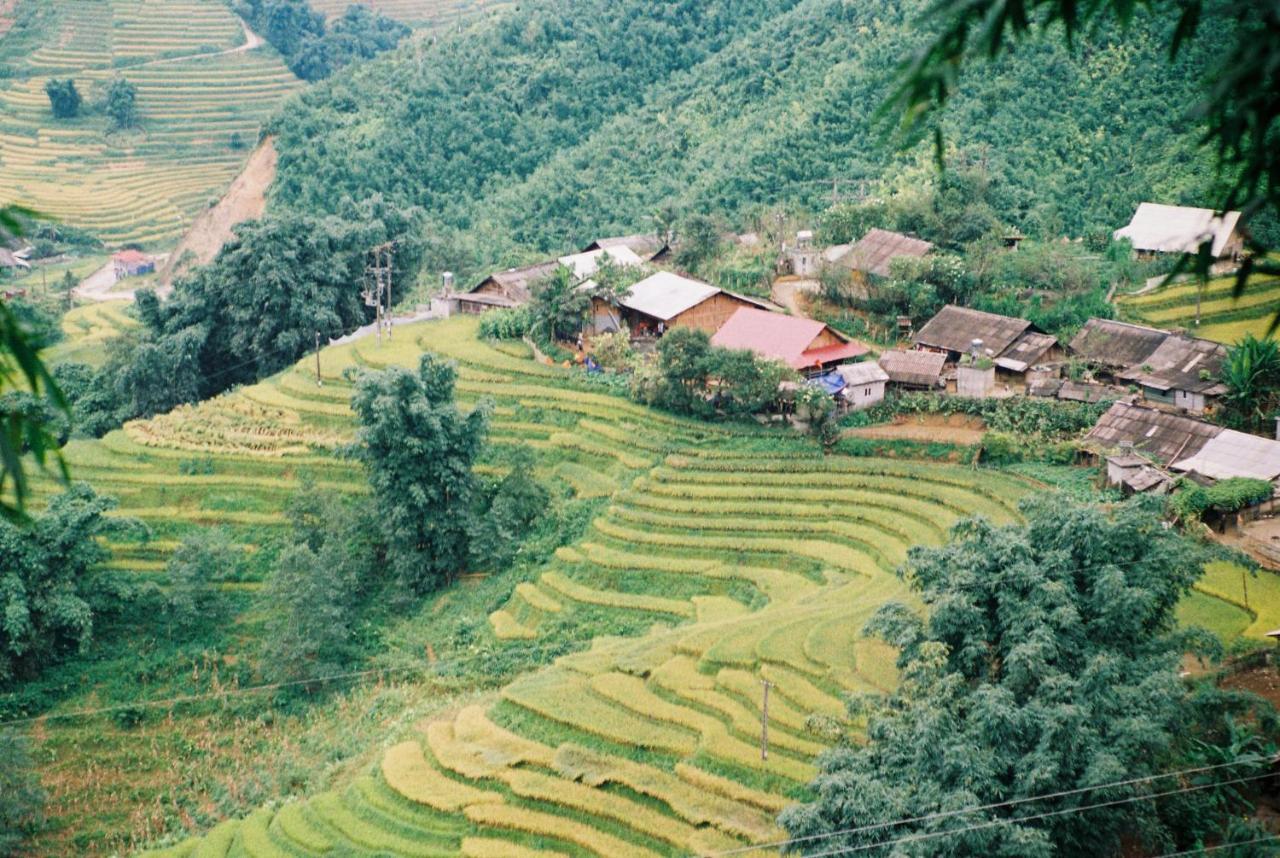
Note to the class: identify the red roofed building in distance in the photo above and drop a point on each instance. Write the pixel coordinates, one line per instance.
(131, 263)
(805, 345)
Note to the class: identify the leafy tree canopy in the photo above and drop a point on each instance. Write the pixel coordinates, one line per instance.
(1048, 661)
(418, 450)
(121, 103)
(46, 586)
(64, 98)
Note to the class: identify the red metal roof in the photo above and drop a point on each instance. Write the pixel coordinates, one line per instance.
(831, 354)
(786, 338)
(128, 256)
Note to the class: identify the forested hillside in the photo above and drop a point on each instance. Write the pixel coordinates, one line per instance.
(553, 123)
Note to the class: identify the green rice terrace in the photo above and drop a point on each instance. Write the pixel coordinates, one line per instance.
(1223, 316)
(204, 89)
(717, 557)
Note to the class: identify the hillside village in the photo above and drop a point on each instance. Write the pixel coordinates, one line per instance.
(1163, 386)
(565, 429)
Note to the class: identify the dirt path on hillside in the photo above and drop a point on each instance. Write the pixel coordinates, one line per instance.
(788, 292)
(246, 199)
(100, 285)
(952, 429)
(252, 41)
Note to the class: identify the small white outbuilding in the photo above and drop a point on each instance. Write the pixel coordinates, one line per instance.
(863, 383)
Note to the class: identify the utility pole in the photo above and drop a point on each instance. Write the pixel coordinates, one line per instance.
(319, 382)
(377, 291)
(764, 720)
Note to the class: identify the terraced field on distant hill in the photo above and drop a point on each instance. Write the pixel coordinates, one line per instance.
(196, 94)
(723, 556)
(1223, 317)
(419, 14)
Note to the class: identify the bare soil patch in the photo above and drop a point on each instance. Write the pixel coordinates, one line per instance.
(942, 428)
(245, 199)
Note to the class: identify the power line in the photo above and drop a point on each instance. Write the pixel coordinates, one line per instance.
(996, 823)
(931, 817)
(253, 689)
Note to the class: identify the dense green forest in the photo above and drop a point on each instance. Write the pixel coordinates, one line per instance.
(551, 125)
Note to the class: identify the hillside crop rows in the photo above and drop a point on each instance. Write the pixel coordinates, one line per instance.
(744, 555)
(1223, 317)
(194, 92)
(723, 556)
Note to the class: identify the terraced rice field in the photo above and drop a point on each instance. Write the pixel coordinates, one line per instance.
(88, 328)
(194, 93)
(1223, 317)
(732, 555)
(419, 14)
(747, 556)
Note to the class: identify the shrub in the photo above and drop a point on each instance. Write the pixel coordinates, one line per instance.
(1230, 495)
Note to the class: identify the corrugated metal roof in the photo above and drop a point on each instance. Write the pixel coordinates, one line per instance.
(955, 328)
(1181, 363)
(1163, 436)
(1116, 344)
(918, 368)
(1235, 454)
(1159, 228)
(874, 252)
(785, 338)
(666, 295)
(866, 372)
(585, 264)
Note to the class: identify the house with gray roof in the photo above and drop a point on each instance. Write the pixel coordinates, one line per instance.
(1183, 372)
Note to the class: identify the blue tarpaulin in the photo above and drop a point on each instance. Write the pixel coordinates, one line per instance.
(832, 382)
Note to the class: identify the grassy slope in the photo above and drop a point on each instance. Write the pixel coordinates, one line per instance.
(1223, 317)
(717, 557)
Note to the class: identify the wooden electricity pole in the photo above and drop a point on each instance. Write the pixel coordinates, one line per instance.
(319, 383)
(764, 720)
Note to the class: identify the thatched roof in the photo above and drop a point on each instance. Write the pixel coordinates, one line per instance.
(1181, 363)
(921, 369)
(1159, 228)
(955, 328)
(873, 253)
(1163, 436)
(1118, 345)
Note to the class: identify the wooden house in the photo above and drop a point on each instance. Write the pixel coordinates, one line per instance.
(1183, 372)
(873, 254)
(1109, 346)
(806, 345)
(510, 288)
(914, 369)
(1014, 345)
(644, 245)
(663, 301)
